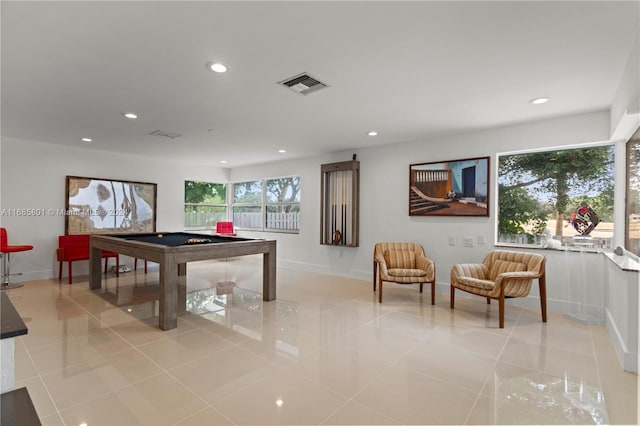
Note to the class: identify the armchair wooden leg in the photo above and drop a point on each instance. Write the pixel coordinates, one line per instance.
(380, 292)
(453, 295)
(375, 274)
(433, 293)
(69, 263)
(501, 310)
(488, 301)
(543, 297)
(60, 271)
(421, 287)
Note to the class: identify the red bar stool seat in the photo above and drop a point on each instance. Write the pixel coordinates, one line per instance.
(6, 251)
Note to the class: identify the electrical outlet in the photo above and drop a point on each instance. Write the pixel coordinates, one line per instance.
(468, 241)
(481, 240)
(452, 241)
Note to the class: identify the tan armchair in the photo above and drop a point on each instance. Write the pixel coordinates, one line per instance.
(402, 263)
(502, 274)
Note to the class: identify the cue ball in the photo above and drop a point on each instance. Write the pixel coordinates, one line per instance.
(159, 235)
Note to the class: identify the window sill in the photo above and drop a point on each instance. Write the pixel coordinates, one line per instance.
(626, 261)
(562, 248)
(277, 231)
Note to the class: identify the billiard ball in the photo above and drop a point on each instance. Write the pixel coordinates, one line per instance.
(159, 235)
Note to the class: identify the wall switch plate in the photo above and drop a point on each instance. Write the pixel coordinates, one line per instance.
(468, 241)
(481, 240)
(452, 241)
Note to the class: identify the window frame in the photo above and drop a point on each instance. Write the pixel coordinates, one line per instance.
(634, 140)
(264, 206)
(225, 205)
(539, 242)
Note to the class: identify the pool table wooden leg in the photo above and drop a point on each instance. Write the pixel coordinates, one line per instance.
(168, 316)
(269, 273)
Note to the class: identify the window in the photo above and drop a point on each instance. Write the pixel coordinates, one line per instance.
(632, 234)
(564, 195)
(272, 204)
(205, 204)
(283, 203)
(247, 204)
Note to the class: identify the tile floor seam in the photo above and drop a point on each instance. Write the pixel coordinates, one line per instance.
(111, 391)
(352, 398)
(344, 404)
(53, 402)
(95, 318)
(598, 374)
(75, 364)
(336, 392)
(207, 404)
(438, 379)
(233, 392)
(266, 377)
(495, 364)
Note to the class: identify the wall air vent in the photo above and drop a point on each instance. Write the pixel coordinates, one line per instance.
(303, 84)
(165, 134)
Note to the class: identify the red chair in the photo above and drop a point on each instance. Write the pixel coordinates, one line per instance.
(76, 247)
(135, 264)
(6, 251)
(225, 228)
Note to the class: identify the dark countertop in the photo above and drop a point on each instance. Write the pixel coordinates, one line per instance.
(18, 409)
(10, 322)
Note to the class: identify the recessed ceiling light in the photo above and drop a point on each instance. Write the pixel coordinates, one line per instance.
(216, 67)
(538, 101)
(87, 140)
(372, 133)
(223, 161)
(130, 115)
(282, 151)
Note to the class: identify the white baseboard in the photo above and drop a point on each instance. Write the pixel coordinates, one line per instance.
(628, 360)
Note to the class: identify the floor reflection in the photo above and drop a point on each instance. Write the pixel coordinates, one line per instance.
(548, 397)
(244, 311)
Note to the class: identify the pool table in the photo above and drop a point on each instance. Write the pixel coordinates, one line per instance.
(172, 251)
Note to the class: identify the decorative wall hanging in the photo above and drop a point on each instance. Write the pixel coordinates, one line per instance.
(449, 188)
(108, 206)
(339, 204)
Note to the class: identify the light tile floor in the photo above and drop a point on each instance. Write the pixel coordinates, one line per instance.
(325, 352)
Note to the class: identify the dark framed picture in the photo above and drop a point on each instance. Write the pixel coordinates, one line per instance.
(449, 188)
(108, 206)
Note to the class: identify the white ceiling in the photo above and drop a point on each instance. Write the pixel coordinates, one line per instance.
(411, 71)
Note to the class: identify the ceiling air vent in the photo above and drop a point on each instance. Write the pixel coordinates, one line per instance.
(303, 84)
(165, 134)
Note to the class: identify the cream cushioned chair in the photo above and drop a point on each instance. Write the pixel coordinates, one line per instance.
(402, 263)
(502, 274)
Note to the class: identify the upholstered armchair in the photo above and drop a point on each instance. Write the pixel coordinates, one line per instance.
(402, 263)
(502, 274)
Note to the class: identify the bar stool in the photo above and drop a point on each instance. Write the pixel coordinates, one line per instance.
(6, 251)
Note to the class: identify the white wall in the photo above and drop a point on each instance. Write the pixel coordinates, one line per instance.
(32, 175)
(622, 313)
(626, 103)
(384, 199)
(42, 168)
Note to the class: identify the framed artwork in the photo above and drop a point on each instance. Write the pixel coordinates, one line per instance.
(449, 188)
(108, 206)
